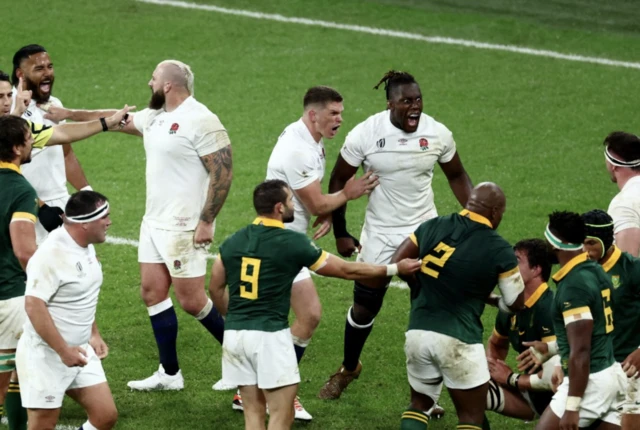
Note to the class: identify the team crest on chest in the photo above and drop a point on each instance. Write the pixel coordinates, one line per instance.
(615, 280)
(174, 127)
(424, 144)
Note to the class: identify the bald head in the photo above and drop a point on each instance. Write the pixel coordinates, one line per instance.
(178, 73)
(488, 199)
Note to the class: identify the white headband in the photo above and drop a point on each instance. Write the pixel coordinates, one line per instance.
(90, 217)
(620, 163)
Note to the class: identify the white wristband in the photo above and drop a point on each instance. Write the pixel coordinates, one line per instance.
(86, 188)
(573, 403)
(553, 348)
(392, 269)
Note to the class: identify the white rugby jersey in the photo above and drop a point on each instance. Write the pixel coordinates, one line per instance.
(403, 163)
(46, 172)
(177, 181)
(67, 277)
(298, 160)
(625, 206)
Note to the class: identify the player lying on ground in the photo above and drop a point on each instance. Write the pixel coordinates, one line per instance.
(259, 263)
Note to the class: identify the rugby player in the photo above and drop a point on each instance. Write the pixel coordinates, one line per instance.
(259, 263)
(463, 258)
(400, 146)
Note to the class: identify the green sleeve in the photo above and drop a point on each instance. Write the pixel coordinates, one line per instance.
(502, 324)
(25, 206)
(544, 318)
(574, 301)
(305, 252)
(505, 259)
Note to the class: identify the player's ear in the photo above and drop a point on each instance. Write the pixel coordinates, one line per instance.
(389, 104)
(19, 74)
(312, 115)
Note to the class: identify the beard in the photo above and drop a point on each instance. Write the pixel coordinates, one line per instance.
(287, 217)
(36, 94)
(157, 100)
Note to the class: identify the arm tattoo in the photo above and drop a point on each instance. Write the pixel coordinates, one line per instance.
(219, 166)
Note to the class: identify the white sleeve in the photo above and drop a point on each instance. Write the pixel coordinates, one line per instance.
(511, 285)
(140, 119)
(299, 169)
(353, 149)
(42, 280)
(210, 137)
(624, 214)
(448, 145)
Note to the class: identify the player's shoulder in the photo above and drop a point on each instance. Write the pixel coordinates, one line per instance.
(430, 125)
(291, 135)
(55, 101)
(201, 117)
(374, 124)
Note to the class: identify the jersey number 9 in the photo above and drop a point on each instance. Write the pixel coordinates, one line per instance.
(249, 278)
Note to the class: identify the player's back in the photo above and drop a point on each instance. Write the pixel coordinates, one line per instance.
(625, 297)
(261, 261)
(462, 261)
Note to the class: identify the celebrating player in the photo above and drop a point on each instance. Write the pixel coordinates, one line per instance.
(61, 348)
(299, 159)
(400, 146)
(622, 154)
(583, 322)
(48, 172)
(523, 396)
(259, 263)
(624, 271)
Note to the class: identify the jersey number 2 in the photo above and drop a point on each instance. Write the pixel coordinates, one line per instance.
(445, 251)
(608, 315)
(249, 278)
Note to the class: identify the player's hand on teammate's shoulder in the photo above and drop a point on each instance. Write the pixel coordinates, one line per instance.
(23, 98)
(74, 356)
(120, 119)
(324, 221)
(355, 188)
(99, 346)
(408, 266)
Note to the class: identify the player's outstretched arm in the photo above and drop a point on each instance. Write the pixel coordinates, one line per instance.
(59, 113)
(217, 287)
(42, 322)
(341, 173)
(458, 178)
(336, 267)
(407, 249)
(69, 133)
(321, 204)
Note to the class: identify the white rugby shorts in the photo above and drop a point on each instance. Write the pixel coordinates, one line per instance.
(265, 359)
(602, 399)
(434, 358)
(44, 378)
(12, 318)
(173, 248)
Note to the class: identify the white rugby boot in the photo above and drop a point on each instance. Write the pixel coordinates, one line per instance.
(159, 381)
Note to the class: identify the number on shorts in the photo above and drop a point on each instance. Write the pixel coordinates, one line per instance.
(608, 314)
(249, 278)
(439, 261)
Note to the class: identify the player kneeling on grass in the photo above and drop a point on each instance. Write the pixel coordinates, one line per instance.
(259, 264)
(524, 396)
(583, 321)
(61, 348)
(463, 258)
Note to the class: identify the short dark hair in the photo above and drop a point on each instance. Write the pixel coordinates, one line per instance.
(568, 226)
(22, 54)
(537, 255)
(268, 194)
(4, 77)
(624, 145)
(83, 203)
(393, 79)
(12, 131)
(321, 95)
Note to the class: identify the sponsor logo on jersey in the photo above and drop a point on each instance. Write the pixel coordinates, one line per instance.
(402, 142)
(424, 144)
(81, 272)
(174, 127)
(177, 265)
(513, 323)
(50, 399)
(380, 143)
(545, 329)
(567, 304)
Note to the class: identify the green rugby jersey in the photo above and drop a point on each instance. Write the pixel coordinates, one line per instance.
(261, 262)
(624, 270)
(18, 202)
(534, 322)
(463, 259)
(583, 290)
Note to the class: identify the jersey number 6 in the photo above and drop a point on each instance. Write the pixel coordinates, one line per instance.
(249, 278)
(445, 251)
(608, 315)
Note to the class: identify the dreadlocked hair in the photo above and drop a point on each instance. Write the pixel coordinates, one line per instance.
(393, 79)
(567, 226)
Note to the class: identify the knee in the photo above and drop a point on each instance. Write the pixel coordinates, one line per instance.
(312, 317)
(367, 302)
(193, 305)
(106, 420)
(152, 294)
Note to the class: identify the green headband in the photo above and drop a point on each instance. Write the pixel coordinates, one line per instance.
(558, 244)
